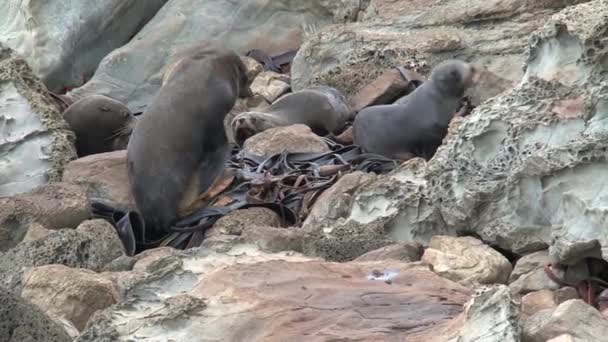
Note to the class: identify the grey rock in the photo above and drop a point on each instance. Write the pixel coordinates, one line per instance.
(273, 26)
(64, 41)
(92, 245)
(491, 315)
(54, 206)
(516, 171)
(529, 274)
(35, 144)
(22, 321)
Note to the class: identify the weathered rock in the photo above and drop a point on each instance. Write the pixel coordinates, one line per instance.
(393, 33)
(408, 252)
(240, 220)
(55, 205)
(467, 261)
(92, 245)
(573, 317)
(280, 297)
(21, 321)
(36, 231)
(491, 315)
(73, 294)
(35, 144)
(294, 139)
(278, 26)
(335, 202)
(270, 85)
(529, 275)
(536, 301)
(64, 41)
(385, 89)
(563, 338)
(516, 171)
(105, 178)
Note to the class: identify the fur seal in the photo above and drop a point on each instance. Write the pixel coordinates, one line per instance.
(100, 123)
(323, 109)
(179, 143)
(416, 127)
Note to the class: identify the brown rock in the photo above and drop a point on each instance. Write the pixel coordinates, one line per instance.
(293, 139)
(408, 252)
(383, 90)
(536, 301)
(563, 338)
(238, 221)
(315, 300)
(54, 205)
(74, 294)
(270, 85)
(467, 261)
(529, 275)
(36, 231)
(104, 175)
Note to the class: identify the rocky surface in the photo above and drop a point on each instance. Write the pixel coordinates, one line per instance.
(273, 26)
(496, 238)
(63, 41)
(35, 143)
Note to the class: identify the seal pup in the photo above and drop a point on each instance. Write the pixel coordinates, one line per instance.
(100, 123)
(179, 143)
(323, 109)
(417, 127)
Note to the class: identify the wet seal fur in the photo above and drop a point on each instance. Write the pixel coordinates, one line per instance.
(416, 127)
(100, 123)
(323, 109)
(179, 146)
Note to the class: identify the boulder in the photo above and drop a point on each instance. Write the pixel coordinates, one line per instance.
(297, 138)
(64, 41)
(272, 26)
(36, 143)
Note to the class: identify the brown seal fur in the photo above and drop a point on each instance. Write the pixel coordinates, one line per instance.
(417, 127)
(100, 123)
(323, 109)
(179, 143)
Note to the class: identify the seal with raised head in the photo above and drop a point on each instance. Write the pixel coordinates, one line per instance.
(179, 143)
(323, 109)
(100, 123)
(417, 127)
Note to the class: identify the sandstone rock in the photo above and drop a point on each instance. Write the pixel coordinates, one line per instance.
(293, 139)
(55, 205)
(385, 89)
(536, 301)
(516, 171)
(529, 275)
(35, 143)
(270, 85)
(92, 245)
(23, 321)
(240, 220)
(278, 297)
(408, 252)
(73, 294)
(36, 231)
(573, 317)
(105, 178)
(563, 338)
(392, 33)
(467, 261)
(276, 27)
(335, 202)
(491, 315)
(64, 41)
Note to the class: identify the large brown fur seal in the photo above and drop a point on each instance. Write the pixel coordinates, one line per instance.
(323, 109)
(179, 143)
(100, 123)
(417, 127)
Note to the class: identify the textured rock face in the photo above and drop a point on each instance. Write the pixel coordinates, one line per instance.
(64, 41)
(276, 297)
(294, 139)
(35, 144)
(271, 25)
(517, 171)
(24, 321)
(395, 33)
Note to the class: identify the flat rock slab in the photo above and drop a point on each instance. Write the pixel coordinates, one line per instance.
(269, 297)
